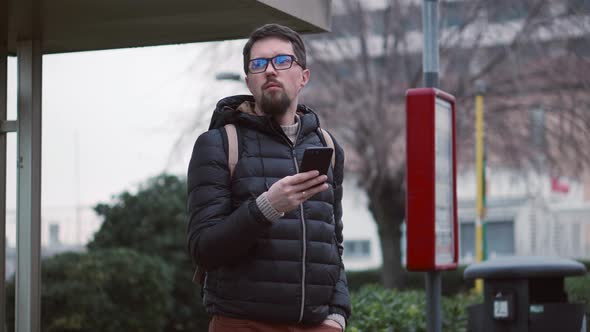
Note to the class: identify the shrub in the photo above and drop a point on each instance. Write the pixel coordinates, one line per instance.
(105, 290)
(358, 279)
(377, 309)
(153, 221)
(578, 289)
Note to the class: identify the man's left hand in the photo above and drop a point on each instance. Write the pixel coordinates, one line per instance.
(332, 323)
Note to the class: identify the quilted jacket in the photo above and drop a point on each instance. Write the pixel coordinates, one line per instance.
(289, 270)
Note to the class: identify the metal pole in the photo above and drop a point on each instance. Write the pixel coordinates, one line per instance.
(3, 92)
(430, 52)
(433, 294)
(28, 279)
(77, 189)
(479, 177)
(430, 67)
(28, 229)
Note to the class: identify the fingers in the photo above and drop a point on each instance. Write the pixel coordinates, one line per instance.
(305, 185)
(301, 177)
(309, 192)
(310, 183)
(287, 193)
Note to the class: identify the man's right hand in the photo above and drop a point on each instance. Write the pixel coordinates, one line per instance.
(290, 191)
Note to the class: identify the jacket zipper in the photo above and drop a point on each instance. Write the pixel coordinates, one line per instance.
(303, 243)
(304, 249)
(303, 230)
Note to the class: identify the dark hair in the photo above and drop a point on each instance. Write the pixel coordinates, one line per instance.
(278, 31)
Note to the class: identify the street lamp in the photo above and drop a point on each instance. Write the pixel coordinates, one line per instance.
(228, 76)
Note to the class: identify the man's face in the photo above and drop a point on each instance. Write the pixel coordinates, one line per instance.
(275, 90)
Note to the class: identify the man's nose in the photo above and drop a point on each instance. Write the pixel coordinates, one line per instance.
(270, 70)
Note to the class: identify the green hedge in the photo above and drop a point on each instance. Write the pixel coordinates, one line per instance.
(578, 289)
(452, 281)
(377, 309)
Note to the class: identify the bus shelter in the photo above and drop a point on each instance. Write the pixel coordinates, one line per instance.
(31, 28)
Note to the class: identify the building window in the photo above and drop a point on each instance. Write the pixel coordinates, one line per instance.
(467, 242)
(579, 46)
(454, 13)
(576, 243)
(506, 10)
(499, 237)
(578, 6)
(357, 248)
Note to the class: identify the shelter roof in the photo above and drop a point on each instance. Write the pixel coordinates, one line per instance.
(83, 25)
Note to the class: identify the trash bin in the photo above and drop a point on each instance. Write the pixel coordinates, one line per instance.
(525, 293)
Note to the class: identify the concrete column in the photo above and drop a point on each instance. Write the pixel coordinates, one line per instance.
(3, 133)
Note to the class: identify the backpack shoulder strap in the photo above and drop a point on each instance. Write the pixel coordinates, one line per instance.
(232, 147)
(330, 144)
(199, 277)
(232, 159)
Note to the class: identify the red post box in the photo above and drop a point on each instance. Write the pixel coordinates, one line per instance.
(431, 200)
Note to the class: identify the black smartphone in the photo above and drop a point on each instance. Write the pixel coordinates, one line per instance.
(316, 159)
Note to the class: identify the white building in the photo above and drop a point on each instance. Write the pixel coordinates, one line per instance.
(524, 217)
(362, 249)
(63, 228)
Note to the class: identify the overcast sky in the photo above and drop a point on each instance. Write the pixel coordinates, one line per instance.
(111, 118)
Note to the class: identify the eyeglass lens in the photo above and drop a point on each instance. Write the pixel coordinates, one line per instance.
(279, 62)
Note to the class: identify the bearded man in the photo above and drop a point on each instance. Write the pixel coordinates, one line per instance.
(268, 237)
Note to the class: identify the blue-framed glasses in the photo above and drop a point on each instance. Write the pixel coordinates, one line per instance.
(279, 62)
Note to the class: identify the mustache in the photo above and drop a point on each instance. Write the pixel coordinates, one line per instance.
(271, 82)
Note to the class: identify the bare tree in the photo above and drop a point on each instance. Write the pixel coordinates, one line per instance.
(205, 86)
(364, 66)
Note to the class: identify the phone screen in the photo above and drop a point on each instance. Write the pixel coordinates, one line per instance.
(316, 159)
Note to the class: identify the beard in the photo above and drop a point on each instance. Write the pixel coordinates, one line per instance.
(274, 103)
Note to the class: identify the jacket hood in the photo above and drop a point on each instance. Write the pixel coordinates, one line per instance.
(226, 111)
(240, 110)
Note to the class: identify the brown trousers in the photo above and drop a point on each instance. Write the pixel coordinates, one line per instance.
(227, 324)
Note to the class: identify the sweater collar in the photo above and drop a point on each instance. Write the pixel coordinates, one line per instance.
(240, 110)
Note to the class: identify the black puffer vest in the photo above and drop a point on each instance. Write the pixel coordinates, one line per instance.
(287, 271)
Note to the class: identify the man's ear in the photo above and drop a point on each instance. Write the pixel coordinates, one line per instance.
(306, 73)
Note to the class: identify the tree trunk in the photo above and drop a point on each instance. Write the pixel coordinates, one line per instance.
(387, 204)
